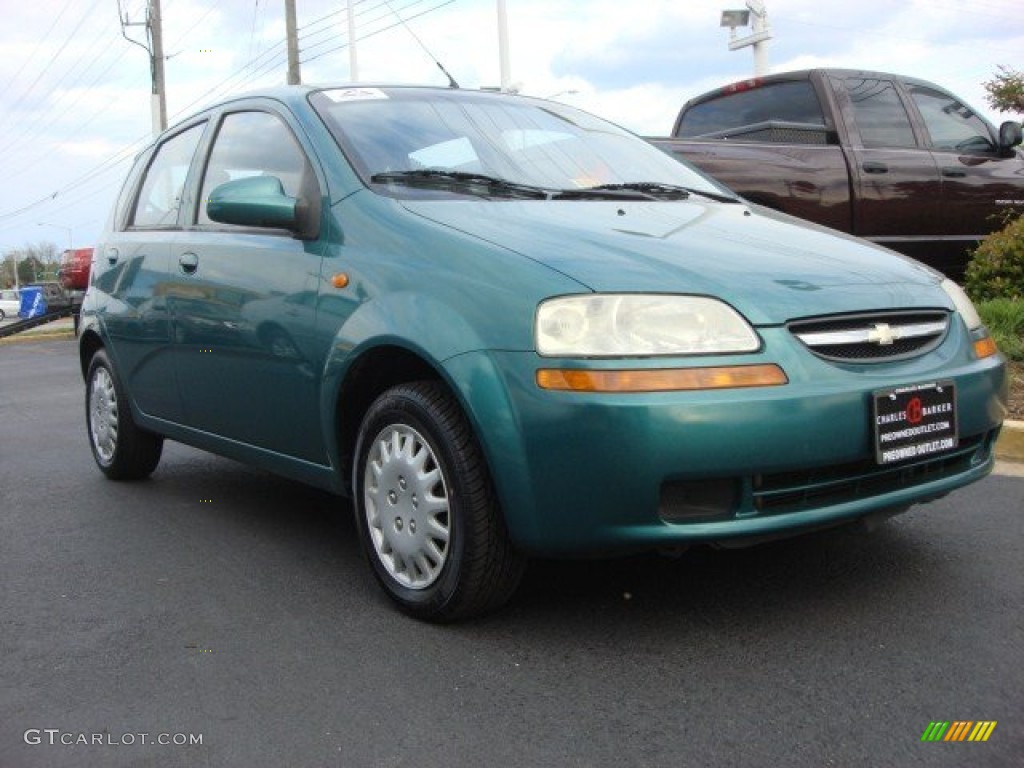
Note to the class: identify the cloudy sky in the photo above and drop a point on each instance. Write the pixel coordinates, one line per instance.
(74, 93)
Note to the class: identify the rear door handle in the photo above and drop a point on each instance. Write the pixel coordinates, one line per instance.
(875, 167)
(189, 263)
(953, 173)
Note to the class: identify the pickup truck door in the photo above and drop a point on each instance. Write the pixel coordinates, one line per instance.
(896, 181)
(977, 182)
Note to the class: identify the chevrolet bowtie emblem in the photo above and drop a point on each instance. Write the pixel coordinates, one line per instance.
(883, 334)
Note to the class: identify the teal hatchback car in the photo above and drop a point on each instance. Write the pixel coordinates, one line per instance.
(504, 327)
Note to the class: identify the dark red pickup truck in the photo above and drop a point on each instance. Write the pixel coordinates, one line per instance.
(896, 160)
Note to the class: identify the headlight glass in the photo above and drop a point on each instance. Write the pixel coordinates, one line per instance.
(963, 304)
(639, 325)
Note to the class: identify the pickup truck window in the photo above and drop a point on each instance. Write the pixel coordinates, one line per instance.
(951, 125)
(788, 102)
(882, 120)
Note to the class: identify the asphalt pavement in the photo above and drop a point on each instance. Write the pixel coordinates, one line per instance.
(220, 604)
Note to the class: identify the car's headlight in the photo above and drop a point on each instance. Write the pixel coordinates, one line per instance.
(963, 304)
(639, 325)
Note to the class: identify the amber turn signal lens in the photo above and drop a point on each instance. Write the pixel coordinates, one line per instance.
(985, 347)
(340, 280)
(661, 379)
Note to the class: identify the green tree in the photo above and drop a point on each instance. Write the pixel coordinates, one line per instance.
(36, 262)
(1006, 90)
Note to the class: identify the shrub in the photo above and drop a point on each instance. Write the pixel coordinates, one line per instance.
(996, 270)
(1004, 319)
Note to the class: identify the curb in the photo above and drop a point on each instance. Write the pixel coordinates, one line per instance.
(26, 336)
(1010, 446)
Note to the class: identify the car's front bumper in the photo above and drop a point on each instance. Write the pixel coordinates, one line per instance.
(588, 472)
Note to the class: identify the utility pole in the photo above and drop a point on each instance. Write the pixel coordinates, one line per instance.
(353, 60)
(159, 89)
(294, 77)
(155, 49)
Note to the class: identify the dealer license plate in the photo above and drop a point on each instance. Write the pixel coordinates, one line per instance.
(915, 421)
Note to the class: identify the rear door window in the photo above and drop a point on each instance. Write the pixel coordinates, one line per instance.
(163, 187)
(882, 120)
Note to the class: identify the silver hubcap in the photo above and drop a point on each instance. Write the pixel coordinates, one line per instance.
(103, 414)
(406, 504)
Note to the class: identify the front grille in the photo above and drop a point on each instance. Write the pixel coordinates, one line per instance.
(872, 338)
(796, 491)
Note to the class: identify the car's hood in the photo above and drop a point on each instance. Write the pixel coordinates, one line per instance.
(771, 267)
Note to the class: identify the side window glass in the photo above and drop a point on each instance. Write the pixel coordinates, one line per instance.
(951, 125)
(125, 197)
(162, 188)
(789, 102)
(882, 120)
(253, 144)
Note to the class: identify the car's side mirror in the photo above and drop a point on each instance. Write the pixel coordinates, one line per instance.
(260, 201)
(1009, 137)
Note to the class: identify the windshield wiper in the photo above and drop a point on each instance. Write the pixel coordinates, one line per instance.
(434, 178)
(667, 191)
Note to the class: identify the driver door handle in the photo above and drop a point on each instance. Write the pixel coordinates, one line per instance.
(189, 263)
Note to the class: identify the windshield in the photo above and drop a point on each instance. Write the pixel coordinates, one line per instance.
(392, 135)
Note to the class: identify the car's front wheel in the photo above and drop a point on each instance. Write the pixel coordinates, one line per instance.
(426, 509)
(122, 450)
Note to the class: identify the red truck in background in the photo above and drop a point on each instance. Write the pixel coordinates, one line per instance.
(893, 159)
(75, 265)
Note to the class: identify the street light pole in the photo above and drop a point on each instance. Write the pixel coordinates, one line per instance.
(761, 32)
(503, 54)
(353, 57)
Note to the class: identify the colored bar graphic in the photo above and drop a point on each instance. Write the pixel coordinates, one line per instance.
(982, 731)
(958, 730)
(935, 731)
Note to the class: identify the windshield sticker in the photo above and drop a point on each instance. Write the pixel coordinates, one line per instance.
(355, 94)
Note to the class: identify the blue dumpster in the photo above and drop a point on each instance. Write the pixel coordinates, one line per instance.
(32, 302)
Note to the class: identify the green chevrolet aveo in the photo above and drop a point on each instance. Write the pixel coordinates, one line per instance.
(504, 328)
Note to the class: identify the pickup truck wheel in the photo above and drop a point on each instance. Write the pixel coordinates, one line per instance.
(122, 450)
(426, 510)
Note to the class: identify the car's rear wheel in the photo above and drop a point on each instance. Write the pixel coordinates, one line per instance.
(426, 510)
(121, 449)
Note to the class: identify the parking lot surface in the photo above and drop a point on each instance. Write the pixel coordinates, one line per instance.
(218, 601)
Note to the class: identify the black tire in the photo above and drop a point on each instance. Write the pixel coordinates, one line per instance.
(121, 449)
(427, 470)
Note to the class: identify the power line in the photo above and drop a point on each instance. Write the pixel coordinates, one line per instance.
(39, 45)
(379, 31)
(247, 77)
(29, 132)
(13, 108)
